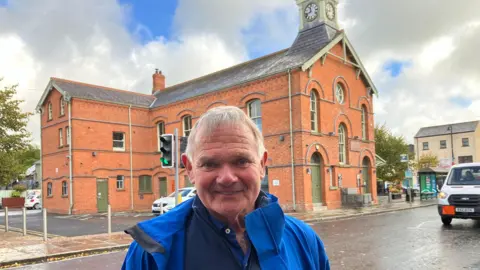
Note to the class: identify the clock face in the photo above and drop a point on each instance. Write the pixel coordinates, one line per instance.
(330, 10)
(311, 11)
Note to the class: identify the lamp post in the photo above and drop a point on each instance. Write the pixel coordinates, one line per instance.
(451, 143)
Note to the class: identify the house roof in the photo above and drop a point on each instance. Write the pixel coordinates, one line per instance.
(444, 129)
(309, 45)
(305, 46)
(81, 90)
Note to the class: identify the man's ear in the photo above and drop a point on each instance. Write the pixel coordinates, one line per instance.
(189, 167)
(263, 164)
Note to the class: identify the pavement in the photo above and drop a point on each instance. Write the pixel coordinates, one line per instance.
(409, 239)
(16, 248)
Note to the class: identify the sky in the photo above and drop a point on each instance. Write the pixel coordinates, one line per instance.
(421, 55)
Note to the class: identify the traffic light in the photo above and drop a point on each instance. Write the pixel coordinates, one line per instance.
(167, 148)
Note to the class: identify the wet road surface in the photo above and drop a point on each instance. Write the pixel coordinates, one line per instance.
(73, 225)
(104, 261)
(412, 239)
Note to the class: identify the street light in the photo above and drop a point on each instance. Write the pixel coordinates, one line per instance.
(451, 142)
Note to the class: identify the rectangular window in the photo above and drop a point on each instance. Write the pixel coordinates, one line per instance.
(465, 159)
(50, 112)
(145, 184)
(67, 131)
(465, 142)
(49, 189)
(160, 132)
(425, 146)
(187, 125)
(443, 144)
(62, 107)
(60, 137)
(64, 188)
(120, 182)
(118, 141)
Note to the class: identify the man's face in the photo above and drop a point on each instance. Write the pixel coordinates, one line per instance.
(226, 170)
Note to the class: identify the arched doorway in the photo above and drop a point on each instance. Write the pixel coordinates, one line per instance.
(366, 168)
(317, 177)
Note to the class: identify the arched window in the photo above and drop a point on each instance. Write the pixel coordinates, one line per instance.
(187, 125)
(364, 123)
(160, 132)
(313, 111)
(64, 188)
(340, 93)
(255, 112)
(342, 144)
(50, 111)
(49, 189)
(62, 106)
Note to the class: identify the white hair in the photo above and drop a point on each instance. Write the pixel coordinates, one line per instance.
(224, 115)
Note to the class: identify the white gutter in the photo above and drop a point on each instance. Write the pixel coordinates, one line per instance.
(70, 155)
(291, 137)
(131, 159)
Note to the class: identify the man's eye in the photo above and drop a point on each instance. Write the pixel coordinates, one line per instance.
(209, 165)
(243, 162)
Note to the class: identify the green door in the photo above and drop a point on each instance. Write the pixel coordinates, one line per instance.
(316, 165)
(163, 187)
(102, 195)
(366, 175)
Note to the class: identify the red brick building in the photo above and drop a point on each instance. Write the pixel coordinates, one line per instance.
(312, 101)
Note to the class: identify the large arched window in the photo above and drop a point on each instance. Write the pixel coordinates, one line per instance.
(255, 112)
(313, 111)
(364, 123)
(342, 144)
(187, 125)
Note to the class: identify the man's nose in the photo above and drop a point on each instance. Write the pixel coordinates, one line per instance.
(227, 175)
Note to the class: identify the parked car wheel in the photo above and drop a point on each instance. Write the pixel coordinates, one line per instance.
(36, 206)
(447, 220)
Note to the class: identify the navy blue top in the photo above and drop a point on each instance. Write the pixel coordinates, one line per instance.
(228, 233)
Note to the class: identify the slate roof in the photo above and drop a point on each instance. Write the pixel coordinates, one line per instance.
(306, 45)
(443, 129)
(95, 92)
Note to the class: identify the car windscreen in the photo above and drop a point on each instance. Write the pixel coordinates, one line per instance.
(465, 176)
(183, 192)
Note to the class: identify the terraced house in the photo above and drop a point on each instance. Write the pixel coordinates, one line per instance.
(313, 102)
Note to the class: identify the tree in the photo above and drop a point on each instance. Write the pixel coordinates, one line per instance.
(426, 161)
(14, 137)
(390, 148)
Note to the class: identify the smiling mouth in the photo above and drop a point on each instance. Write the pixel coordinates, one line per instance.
(229, 192)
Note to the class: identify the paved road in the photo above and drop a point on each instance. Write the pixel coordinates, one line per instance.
(100, 262)
(73, 225)
(413, 239)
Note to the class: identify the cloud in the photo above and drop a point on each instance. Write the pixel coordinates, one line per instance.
(421, 55)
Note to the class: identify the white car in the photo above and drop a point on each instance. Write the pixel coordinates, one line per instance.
(33, 202)
(169, 202)
(460, 194)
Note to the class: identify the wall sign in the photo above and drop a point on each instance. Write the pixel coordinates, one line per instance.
(276, 182)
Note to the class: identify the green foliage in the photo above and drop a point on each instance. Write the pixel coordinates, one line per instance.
(19, 188)
(16, 194)
(14, 137)
(426, 161)
(390, 148)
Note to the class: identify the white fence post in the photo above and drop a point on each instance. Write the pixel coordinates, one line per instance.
(6, 219)
(44, 224)
(24, 210)
(109, 220)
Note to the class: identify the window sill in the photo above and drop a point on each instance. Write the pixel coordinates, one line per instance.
(60, 147)
(64, 196)
(50, 196)
(120, 189)
(49, 120)
(118, 150)
(316, 133)
(146, 192)
(61, 115)
(344, 165)
(333, 188)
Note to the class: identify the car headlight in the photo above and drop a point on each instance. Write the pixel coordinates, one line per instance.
(443, 195)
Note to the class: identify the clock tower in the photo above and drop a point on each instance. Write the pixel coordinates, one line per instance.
(315, 12)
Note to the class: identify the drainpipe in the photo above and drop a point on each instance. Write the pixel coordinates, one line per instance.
(41, 159)
(131, 162)
(70, 210)
(291, 137)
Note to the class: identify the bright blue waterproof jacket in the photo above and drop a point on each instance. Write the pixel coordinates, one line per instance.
(280, 241)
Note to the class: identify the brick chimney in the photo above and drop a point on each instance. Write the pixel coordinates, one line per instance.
(158, 81)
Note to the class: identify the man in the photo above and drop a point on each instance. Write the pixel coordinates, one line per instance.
(230, 224)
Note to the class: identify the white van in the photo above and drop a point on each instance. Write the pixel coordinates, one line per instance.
(460, 194)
